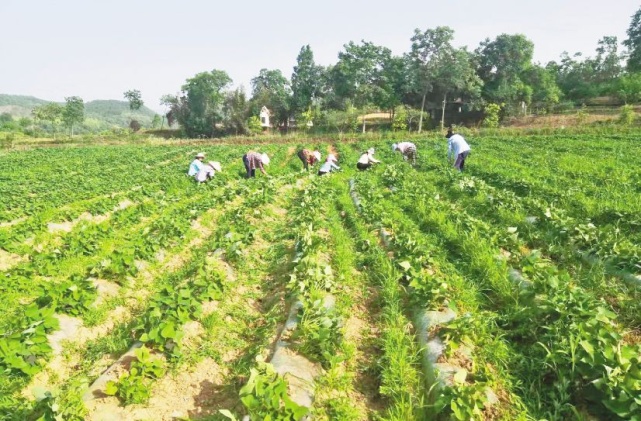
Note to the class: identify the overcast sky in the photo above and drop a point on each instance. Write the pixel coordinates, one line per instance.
(99, 49)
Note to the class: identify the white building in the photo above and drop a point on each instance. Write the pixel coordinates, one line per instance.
(264, 117)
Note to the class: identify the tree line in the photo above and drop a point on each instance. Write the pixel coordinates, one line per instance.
(433, 83)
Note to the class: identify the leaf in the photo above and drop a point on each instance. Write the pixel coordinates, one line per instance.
(228, 414)
(111, 388)
(168, 331)
(460, 376)
(405, 265)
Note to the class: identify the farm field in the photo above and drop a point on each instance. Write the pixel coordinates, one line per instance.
(510, 291)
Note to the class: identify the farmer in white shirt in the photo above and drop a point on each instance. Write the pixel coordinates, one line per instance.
(208, 171)
(366, 160)
(196, 164)
(458, 149)
(328, 165)
(407, 149)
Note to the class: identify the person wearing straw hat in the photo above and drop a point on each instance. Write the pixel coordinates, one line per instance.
(309, 158)
(329, 165)
(207, 171)
(366, 160)
(407, 149)
(457, 148)
(196, 164)
(253, 160)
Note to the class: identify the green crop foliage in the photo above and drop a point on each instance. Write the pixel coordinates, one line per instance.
(265, 396)
(135, 386)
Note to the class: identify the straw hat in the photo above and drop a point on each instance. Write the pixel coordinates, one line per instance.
(317, 155)
(200, 155)
(264, 159)
(215, 165)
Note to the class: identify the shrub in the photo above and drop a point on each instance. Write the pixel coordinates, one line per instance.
(627, 115)
(492, 115)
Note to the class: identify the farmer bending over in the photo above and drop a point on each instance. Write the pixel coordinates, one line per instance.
(207, 171)
(366, 160)
(253, 160)
(407, 149)
(309, 158)
(196, 165)
(457, 148)
(329, 164)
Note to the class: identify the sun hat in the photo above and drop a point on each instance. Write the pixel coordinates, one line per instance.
(395, 146)
(264, 159)
(371, 151)
(200, 155)
(215, 165)
(317, 155)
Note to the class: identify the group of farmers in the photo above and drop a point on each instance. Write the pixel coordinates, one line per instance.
(458, 150)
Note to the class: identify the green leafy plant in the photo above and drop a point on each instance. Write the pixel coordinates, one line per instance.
(135, 386)
(462, 401)
(627, 115)
(73, 296)
(22, 350)
(265, 396)
(492, 115)
(319, 332)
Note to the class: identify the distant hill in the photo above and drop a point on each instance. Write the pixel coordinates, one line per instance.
(18, 105)
(100, 114)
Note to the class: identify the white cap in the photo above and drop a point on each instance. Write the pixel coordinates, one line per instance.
(215, 165)
(264, 159)
(371, 151)
(395, 146)
(317, 155)
(331, 157)
(200, 155)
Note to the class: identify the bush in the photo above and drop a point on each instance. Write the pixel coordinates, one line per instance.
(492, 115)
(627, 115)
(134, 125)
(254, 125)
(400, 120)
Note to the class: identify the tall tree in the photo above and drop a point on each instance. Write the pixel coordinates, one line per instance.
(199, 107)
(545, 92)
(236, 112)
(432, 52)
(608, 61)
(363, 77)
(51, 112)
(582, 78)
(74, 112)
(135, 99)
(359, 74)
(634, 43)
(306, 80)
(271, 89)
(456, 79)
(501, 65)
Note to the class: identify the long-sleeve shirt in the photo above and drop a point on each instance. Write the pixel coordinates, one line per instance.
(254, 159)
(204, 173)
(406, 148)
(307, 155)
(328, 166)
(194, 167)
(367, 158)
(456, 145)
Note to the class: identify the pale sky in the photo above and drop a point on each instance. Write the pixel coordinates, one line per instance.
(99, 49)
